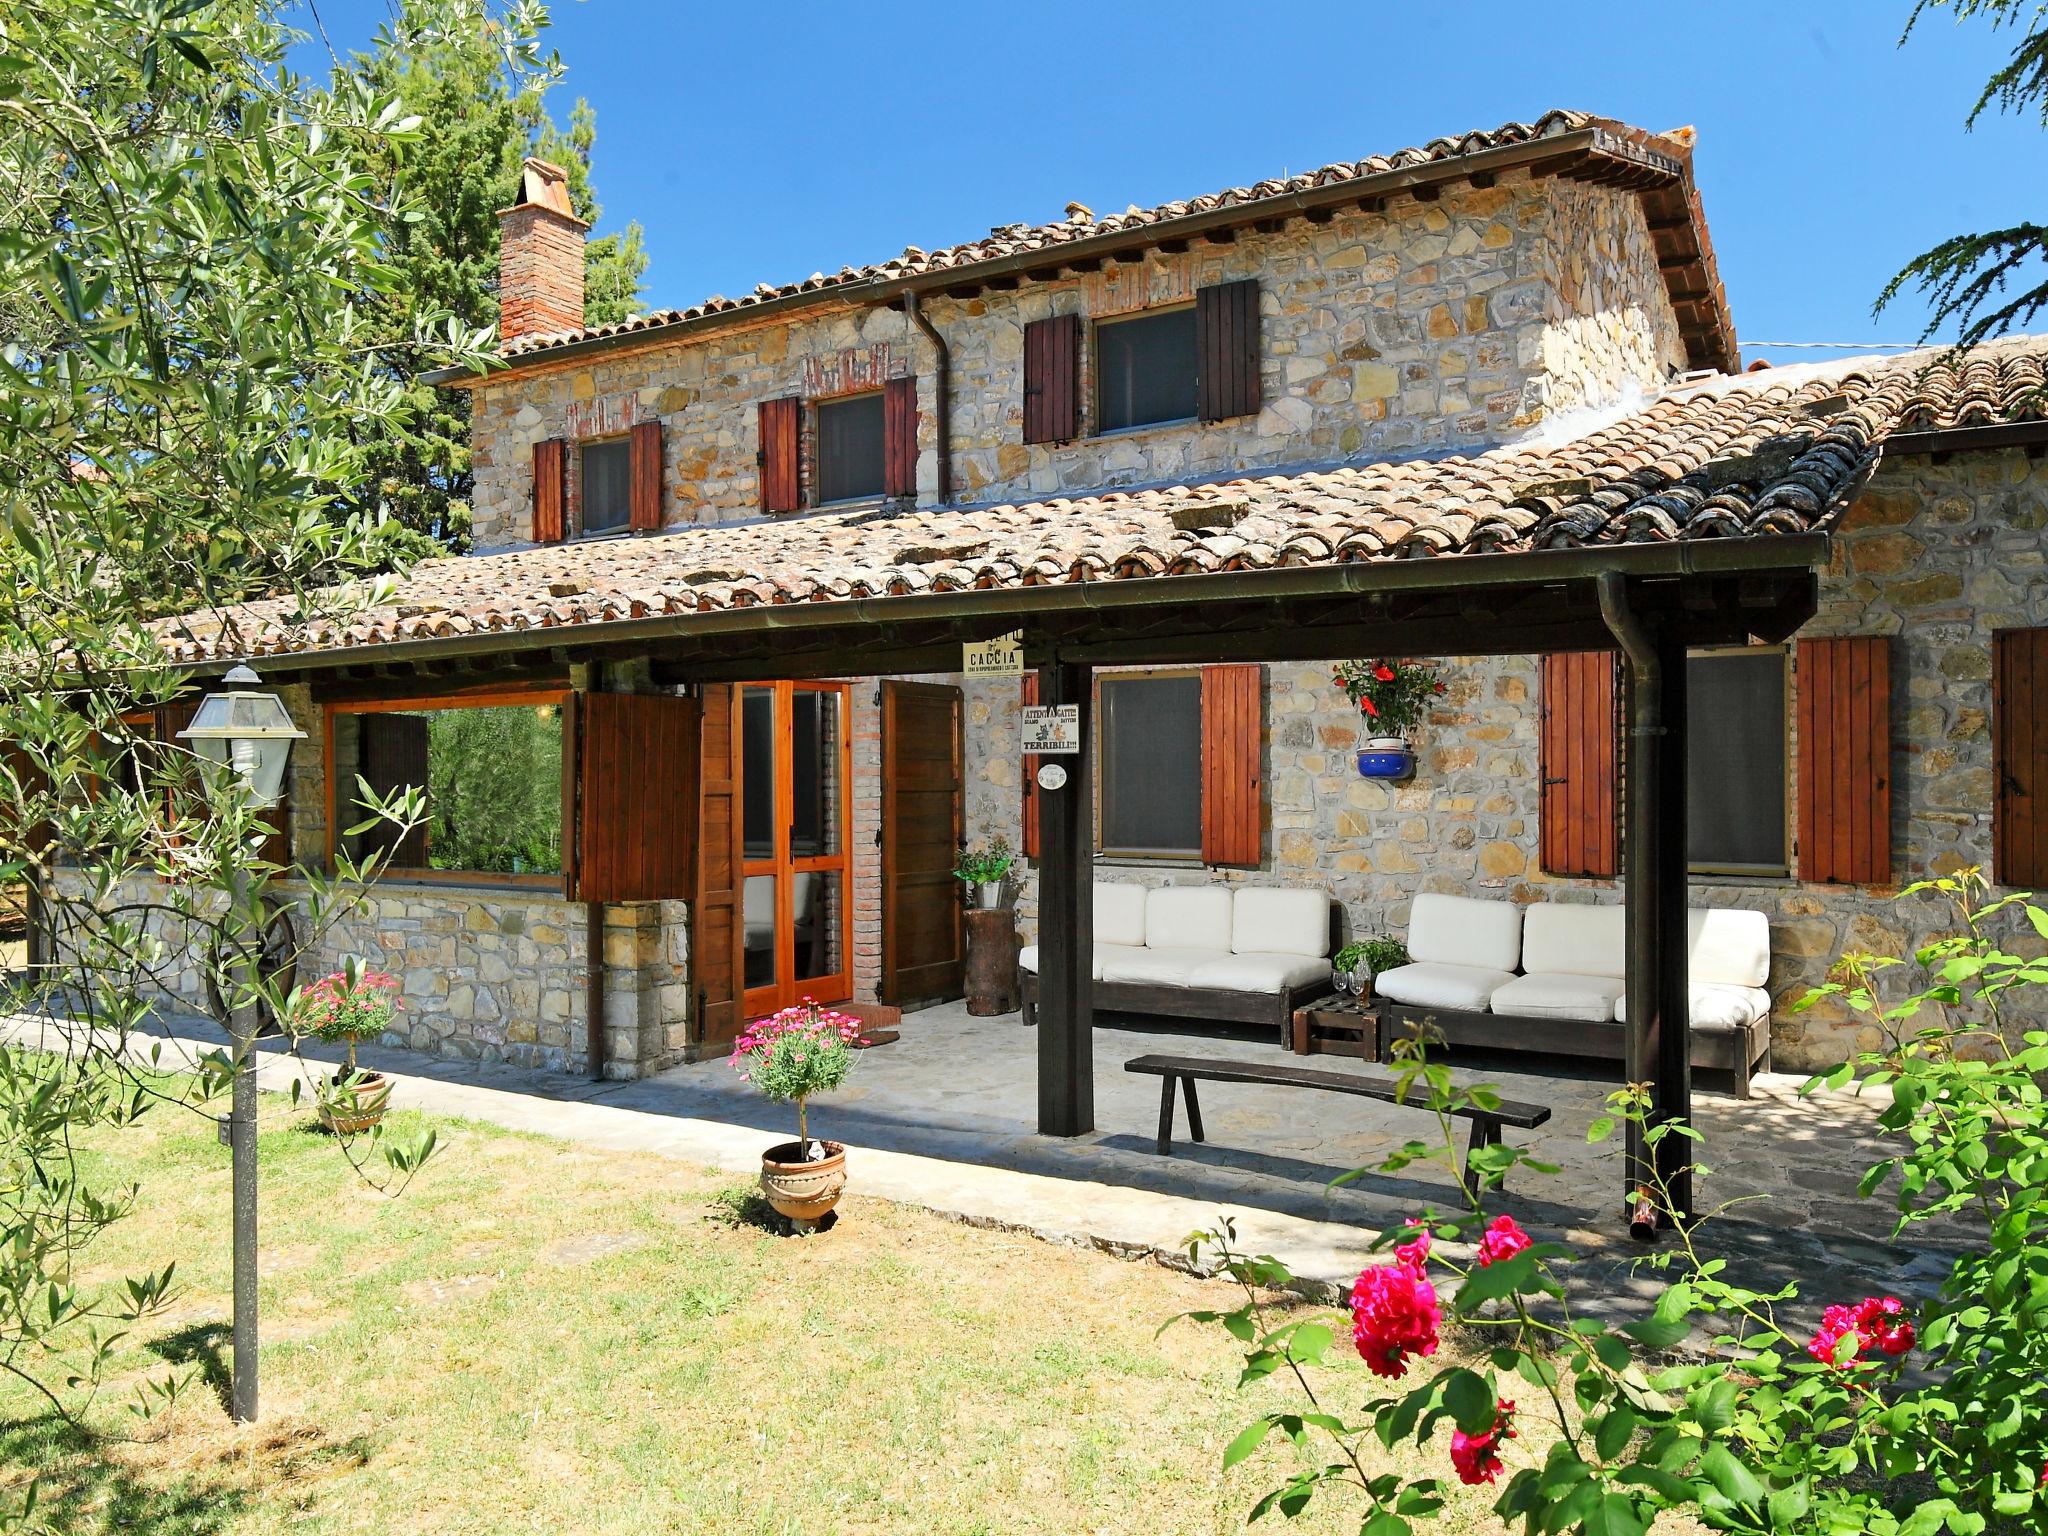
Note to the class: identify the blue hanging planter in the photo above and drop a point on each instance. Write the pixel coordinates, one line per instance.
(1385, 757)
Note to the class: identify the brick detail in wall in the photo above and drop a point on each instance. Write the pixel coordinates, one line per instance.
(540, 272)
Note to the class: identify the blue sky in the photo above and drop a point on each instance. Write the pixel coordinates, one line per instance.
(761, 143)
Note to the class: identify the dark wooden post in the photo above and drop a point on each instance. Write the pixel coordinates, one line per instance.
(1673, 1058)
(1066, 922)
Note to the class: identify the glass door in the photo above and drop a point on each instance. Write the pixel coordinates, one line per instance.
(795, 767)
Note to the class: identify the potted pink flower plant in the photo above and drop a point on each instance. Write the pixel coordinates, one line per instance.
(790, 1056)
(345, 1008)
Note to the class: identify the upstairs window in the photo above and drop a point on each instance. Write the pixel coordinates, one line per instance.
(1145, 369)
(850, 453)
(1736, 761)
(607, 485)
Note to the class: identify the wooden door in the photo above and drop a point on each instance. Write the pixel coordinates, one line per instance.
(715, 905)
(796, 909)
(924, 950)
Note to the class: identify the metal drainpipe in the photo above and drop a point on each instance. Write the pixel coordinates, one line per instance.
(942, 387)
(1645, 744)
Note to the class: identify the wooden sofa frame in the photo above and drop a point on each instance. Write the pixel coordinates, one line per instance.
(1735, 1049)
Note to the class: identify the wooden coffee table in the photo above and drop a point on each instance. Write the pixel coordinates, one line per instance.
(1337, 1026)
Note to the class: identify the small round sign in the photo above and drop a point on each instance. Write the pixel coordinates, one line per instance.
(1052, 776)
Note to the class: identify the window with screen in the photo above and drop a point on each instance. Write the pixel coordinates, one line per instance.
(1736, 761)
(493, 781)
(1151, 766)
(1145, 370)
(850, 448)
(607, 485)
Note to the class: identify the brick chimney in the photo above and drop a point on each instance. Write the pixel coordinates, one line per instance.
(540, 257)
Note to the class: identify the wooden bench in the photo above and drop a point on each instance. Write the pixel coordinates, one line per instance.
(1188, 1070)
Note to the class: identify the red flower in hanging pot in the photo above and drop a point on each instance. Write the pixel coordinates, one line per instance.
(1383, 672)
(1367, 706)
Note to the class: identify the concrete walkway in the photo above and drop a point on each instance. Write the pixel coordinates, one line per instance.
(941, 1119)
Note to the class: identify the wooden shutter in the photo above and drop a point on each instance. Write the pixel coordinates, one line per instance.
(1845, 759)
(636, 818)
(924, 937)
(1052, 372)
(1231, 755)
(2019, 721)
(644, 476)
(780, 427)
(550, 455)
(394, 756)
(1028, 695)
(1227, 350)
(1577, 807)
(899, 437)
(717, 934)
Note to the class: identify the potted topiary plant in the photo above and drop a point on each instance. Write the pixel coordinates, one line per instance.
(984, 867)
(790, 1056)
(1392, 696)
(351, 1005)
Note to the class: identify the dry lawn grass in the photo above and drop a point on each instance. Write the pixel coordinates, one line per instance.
(542, 1338)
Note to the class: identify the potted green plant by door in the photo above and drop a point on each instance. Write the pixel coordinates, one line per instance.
(350, 1006)
(983, 867)
(791, 1056)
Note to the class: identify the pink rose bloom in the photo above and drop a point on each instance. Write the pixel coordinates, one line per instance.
(1477, 1457)
(1874, 1320)
(1394, 1314)
(1415, 1252)
(1503, 1239)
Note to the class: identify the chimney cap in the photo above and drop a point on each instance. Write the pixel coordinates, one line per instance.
(543, 184)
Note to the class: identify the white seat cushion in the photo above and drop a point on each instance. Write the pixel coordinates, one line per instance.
(1119, 912)
(1728, 947)
(1547, 996)
(1271, 974)
(1435, 985)
(1571, 939)
(1188, 917)
(1266, 920)
(1717, 1006)
(1464, 931)
(1027, 957)
(1160, 966)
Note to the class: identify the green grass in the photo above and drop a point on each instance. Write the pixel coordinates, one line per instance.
(542, 1338)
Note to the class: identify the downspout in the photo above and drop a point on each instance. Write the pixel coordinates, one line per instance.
(942, 389)
(1645, 744)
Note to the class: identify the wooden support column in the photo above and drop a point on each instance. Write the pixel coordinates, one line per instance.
(1672, 1058)
(1066, 922)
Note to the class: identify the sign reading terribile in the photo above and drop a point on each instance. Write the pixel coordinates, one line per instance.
(1052, 728)
(1000, 657)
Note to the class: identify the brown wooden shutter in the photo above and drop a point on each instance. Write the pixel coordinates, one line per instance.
(899, 437)
(2019, 721)
(1845, 760)
(173, 758)
(1052, 375)
(550, 456)
(1227, 350)
(1577, 808)
(394, 756)
(924, 936)
(644, 476)
(717, 933)
(781, 436)
(1231, 755)
(636, 820)
(1028, 695)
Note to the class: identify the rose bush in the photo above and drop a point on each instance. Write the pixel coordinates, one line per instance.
(796, 1053)
(1886, 1415)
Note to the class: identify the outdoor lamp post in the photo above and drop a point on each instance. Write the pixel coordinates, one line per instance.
(252, 734)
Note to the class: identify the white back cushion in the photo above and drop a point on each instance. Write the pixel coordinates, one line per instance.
(1188, 917)
(1119, 913)
(1462, 930)
(1729, 947)
(1561, 939)
(1269, 921)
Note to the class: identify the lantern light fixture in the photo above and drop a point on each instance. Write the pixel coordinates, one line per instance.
(248, 731)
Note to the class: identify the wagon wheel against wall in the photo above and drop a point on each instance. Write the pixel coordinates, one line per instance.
(277, 963)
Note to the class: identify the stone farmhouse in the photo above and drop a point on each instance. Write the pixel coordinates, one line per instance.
(1428, 404)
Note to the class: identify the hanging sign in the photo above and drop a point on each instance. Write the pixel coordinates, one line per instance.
(1052, 728)
(1052, 776)
(1000, 657)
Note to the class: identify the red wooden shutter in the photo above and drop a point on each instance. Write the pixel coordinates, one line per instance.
(1227, 350)
(717, 926)
(644, 476)
(549, 457)
(1029, 696)
(1577, 807)
(899, 437)
(1052, 371)
(781, 486)
(1845, 752)
(636, 821)
(1231, 755)
(2019, 719)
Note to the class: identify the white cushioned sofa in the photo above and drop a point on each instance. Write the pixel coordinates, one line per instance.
(1250, 954)
(1550, 978)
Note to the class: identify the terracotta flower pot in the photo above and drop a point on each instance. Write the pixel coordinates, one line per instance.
(354, 1109)
(805, 1192)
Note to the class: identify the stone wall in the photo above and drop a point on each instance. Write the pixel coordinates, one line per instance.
(1456, 322)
